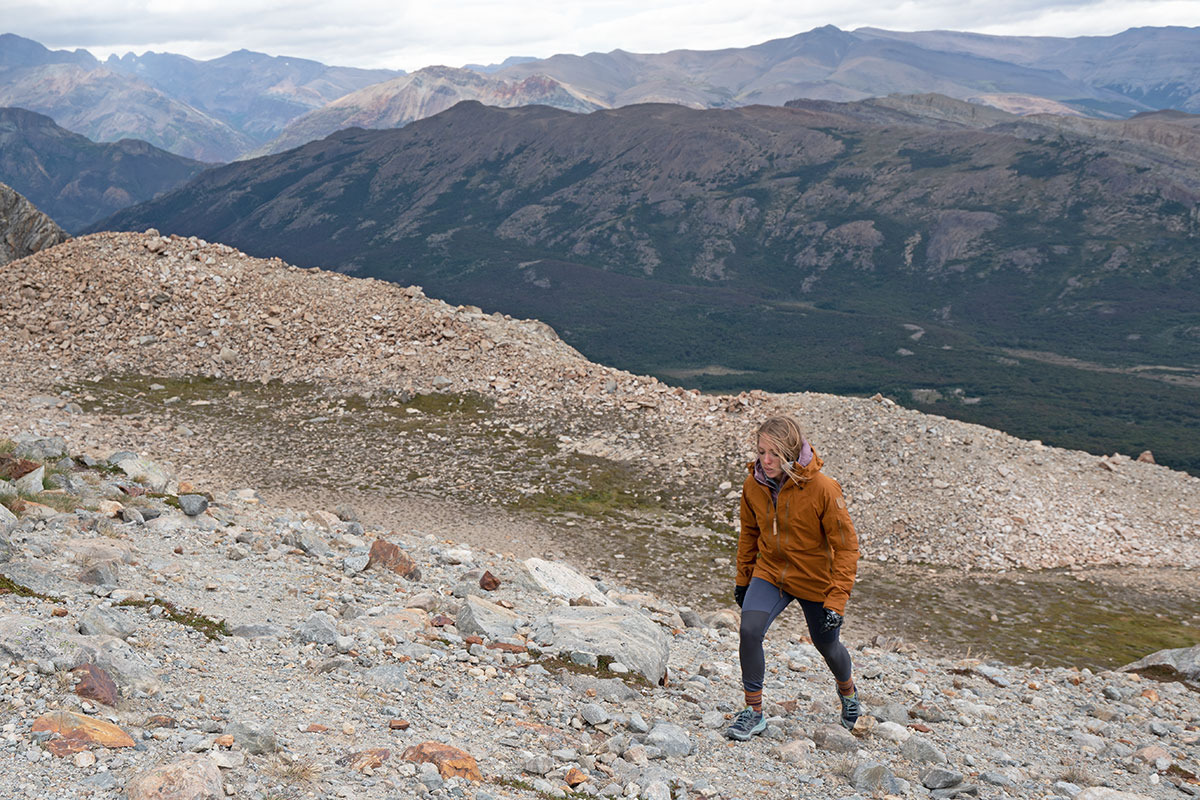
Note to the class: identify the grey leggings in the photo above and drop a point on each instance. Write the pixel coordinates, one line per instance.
(762, 605)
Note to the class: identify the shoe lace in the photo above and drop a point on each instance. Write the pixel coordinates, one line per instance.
(850, 706)
(745, 720)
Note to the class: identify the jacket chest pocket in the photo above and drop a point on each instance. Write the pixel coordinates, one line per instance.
(800, 528)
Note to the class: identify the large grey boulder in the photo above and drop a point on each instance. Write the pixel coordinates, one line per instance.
(39, 448)
(1180, 664)
(670, 738)
(100, 621)
(618, 633)
(145, 472)
(319, 627)
(561, 581)
(486, 619)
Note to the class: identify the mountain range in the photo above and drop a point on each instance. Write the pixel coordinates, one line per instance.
(1006, 268)
(77, 181)
(207, 110)
(249, 103)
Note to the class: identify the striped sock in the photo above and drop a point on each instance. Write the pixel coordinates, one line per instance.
(754, 700)
(846, 688)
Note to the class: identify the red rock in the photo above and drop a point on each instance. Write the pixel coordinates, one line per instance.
(315, 728)
(193, 777)
(162, 721)
(450, 761)
(506, 647)
(366, 759)
(96, 684)
(489, 582)
(398, 724)
(225, 740)
(575, 777)
(473, 639)
(1150, 695)
(920, 726)
(389, 556)
(58, 611)
(440, 621)
(12, 468)
(82, 729)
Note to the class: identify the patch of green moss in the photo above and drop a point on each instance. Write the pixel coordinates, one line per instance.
(212, 629)
(631, 678)
(7, 446)
(9, 586)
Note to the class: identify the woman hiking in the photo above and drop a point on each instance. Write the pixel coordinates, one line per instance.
(796, 543)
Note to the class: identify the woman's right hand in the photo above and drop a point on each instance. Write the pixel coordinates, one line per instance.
(739, 595)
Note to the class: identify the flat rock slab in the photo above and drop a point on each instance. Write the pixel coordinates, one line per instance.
(561, 581)
(616, 632)
(79, 732)
(485, 618)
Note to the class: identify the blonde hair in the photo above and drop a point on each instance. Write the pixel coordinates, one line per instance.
(784, 437)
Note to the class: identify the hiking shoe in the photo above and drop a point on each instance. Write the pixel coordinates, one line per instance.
(747, 723)
(851, 710)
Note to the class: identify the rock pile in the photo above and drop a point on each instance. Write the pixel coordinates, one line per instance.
(156, 650)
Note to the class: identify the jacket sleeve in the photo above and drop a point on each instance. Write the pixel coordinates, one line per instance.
(747, 551)
(843, 544)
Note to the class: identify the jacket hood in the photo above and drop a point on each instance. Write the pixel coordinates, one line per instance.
(806, 467)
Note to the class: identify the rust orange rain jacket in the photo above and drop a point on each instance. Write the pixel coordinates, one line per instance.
(803, 542)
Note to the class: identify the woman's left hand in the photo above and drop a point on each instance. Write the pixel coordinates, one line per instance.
(832, 621)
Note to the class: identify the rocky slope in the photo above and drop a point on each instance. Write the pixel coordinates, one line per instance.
(23, 229)
(244, 647)
(162, 643)
(77, 181)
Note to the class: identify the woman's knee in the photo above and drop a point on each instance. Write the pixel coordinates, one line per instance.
(753, 627)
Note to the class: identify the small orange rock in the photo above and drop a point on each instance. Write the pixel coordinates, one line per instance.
(58, 611)
(178, 549)
(920, 726)
(366, 759)
(315, 728)
(162, 721)
(225, 740)
(1075, 680)
(450, 761)
(186, 487)
(575, 777)
(472, 639)
(489, 582)
(1150, 695)
(398, 724)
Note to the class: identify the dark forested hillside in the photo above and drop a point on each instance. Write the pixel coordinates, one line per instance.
(1036, 273)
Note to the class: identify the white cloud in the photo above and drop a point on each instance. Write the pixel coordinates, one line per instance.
(413, 33)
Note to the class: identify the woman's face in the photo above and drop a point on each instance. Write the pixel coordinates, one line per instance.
(772, 464)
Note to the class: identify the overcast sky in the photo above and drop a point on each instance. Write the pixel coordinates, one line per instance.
(409, 34)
